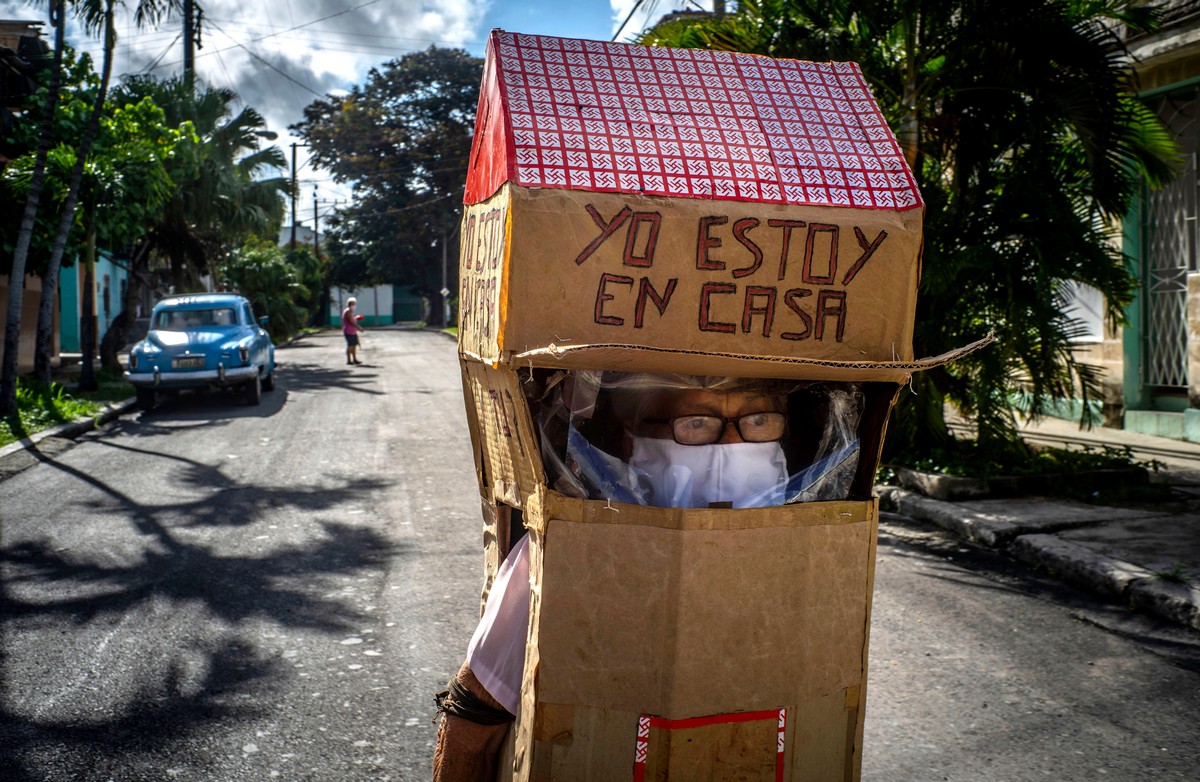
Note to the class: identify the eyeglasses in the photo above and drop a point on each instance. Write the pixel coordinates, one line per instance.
(708, 429)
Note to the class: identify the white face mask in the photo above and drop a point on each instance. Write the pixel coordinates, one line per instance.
(749, 475)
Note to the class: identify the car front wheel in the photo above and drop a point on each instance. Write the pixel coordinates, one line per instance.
(254, 391)
(268, 382)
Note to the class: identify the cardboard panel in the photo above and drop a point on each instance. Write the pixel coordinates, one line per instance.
(819, 740)
(482, 277)
(511, 459)
(680, 623)
(695, 275)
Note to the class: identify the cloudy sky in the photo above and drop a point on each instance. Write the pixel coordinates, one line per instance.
(280, 55)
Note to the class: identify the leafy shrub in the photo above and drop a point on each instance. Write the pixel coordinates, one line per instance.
(40, 407)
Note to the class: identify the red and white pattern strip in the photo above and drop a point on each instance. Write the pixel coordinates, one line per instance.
(647, 721)
(692, 123)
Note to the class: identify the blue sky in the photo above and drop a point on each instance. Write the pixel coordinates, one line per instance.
(280, 55)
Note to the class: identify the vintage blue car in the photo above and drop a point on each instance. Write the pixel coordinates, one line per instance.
(202, 341)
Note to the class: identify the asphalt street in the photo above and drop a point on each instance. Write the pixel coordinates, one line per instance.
(219, 592)
(211, 591)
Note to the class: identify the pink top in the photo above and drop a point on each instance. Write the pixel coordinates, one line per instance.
(349, 325)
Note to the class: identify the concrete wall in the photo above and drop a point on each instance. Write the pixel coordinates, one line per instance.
(374, 304)
(108, 275)
(31, 299)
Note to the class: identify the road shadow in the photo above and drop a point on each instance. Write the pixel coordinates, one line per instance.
(62, 595)
(303, 377)
(217, 404)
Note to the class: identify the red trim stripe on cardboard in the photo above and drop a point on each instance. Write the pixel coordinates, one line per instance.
(648, 721)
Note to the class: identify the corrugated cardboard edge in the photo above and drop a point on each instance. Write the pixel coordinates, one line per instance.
(528, 758)
(647, 359)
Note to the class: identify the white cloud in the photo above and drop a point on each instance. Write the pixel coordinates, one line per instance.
(279, 56)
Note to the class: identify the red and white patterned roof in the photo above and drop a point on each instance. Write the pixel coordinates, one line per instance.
(691, 123)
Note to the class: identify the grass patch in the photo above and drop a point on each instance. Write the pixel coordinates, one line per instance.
(452, 331)
(1175, 575)
(41, 407)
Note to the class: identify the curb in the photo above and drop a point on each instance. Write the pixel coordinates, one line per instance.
(72, 429)
(1112, 578)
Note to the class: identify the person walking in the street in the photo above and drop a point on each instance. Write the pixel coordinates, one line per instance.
(350, 330)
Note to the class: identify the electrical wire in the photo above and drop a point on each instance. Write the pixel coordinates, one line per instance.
(162, 54)
(256, 56)
(632, 11)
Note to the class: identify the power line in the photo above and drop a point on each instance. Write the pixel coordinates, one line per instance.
(162, 54)
(266, 63)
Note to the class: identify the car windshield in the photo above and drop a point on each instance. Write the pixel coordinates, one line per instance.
(182, 320)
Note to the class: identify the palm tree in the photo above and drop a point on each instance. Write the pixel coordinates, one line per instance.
(220, 199)
(16, 277)
(96, 16)
(1020, 126)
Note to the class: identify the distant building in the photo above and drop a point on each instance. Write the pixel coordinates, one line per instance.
(1154, 363)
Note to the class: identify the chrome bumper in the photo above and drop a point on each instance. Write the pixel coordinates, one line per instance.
(189, 378)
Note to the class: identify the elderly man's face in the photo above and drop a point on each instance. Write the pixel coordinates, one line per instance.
(726, 405)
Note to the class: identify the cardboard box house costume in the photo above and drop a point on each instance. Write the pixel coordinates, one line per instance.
(699, 213)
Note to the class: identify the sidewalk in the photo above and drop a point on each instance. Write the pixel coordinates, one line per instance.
(1146, 557)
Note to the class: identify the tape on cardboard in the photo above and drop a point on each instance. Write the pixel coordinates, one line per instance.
(647, 722)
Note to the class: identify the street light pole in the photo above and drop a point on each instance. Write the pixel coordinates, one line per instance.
(445, 291)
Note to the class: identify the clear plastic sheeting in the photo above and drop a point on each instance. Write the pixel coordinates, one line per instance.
(694, 442)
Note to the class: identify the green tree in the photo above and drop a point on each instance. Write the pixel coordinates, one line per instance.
(402, 140)
(1019, 122)
(314, 276)
(261, 271)
(97, 16)
(17, 268)
(224, 195)
(72, 108)
(124, 183)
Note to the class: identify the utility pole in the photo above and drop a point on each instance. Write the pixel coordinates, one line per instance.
(192, 14)
(445, 291)
(189, 52)
(294, 145)
(316, 228)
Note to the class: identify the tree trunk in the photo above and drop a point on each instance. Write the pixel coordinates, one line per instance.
(87, 321)
(909, 132)
(16, 277)
(45, 326)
